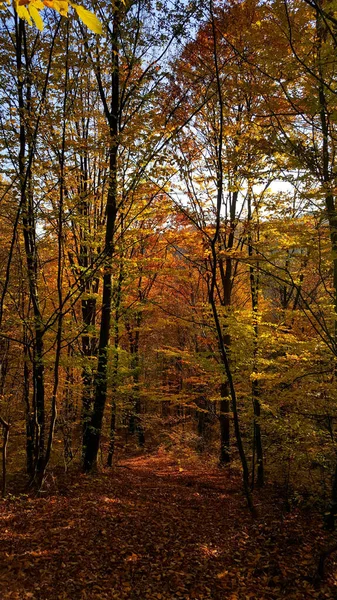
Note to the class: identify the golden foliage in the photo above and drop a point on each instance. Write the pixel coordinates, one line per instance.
(30, 11)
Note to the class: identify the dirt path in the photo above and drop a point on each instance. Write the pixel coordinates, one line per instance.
(150, 530)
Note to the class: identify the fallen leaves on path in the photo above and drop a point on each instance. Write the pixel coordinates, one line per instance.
(155, 531)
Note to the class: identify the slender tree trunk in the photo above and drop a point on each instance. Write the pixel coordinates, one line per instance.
(112, 438)
(29, 235)
(68, 414)
(233, 397)
(5, 426)
(93, 432)
(135, 423)
(90, 288)
(89, 351)
(138, 425)
(59, 276)
(118, 299)
(254, 290)
(213, 282)
(331, 212)
(29, 414)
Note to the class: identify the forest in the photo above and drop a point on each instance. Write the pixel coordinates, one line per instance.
(168, 299)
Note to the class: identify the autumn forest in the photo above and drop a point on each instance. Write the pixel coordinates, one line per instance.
(168, 299)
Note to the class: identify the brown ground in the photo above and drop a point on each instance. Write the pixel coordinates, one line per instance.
(152, 530)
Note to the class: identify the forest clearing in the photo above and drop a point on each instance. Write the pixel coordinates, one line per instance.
(168, 299)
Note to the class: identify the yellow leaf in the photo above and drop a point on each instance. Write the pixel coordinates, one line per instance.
(88, 18)
(37, 4)
(61, 6)
(23, 13)
(34, 13)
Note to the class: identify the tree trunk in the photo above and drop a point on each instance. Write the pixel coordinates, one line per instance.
(118, 299)
(136, 425)
(5, 426)
(30, 422)
(93, 432)
(29, 235)
(254, 290)
(328, 176)
(213, 283)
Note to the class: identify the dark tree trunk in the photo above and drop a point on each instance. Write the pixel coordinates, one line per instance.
(93, 432)
(136, 425)
(213, 282)
(254, 290)
(118, 299)
(331, 212)
(29, 235)
(30, 422)
(5, 426)
(88, 304)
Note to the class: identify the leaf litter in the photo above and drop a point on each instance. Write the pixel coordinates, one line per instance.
(156, 531)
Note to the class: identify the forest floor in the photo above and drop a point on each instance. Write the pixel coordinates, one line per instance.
(153, 529)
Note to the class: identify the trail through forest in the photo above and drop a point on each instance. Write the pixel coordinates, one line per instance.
(154, 529)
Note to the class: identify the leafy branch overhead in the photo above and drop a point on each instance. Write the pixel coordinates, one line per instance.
(30, 11)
